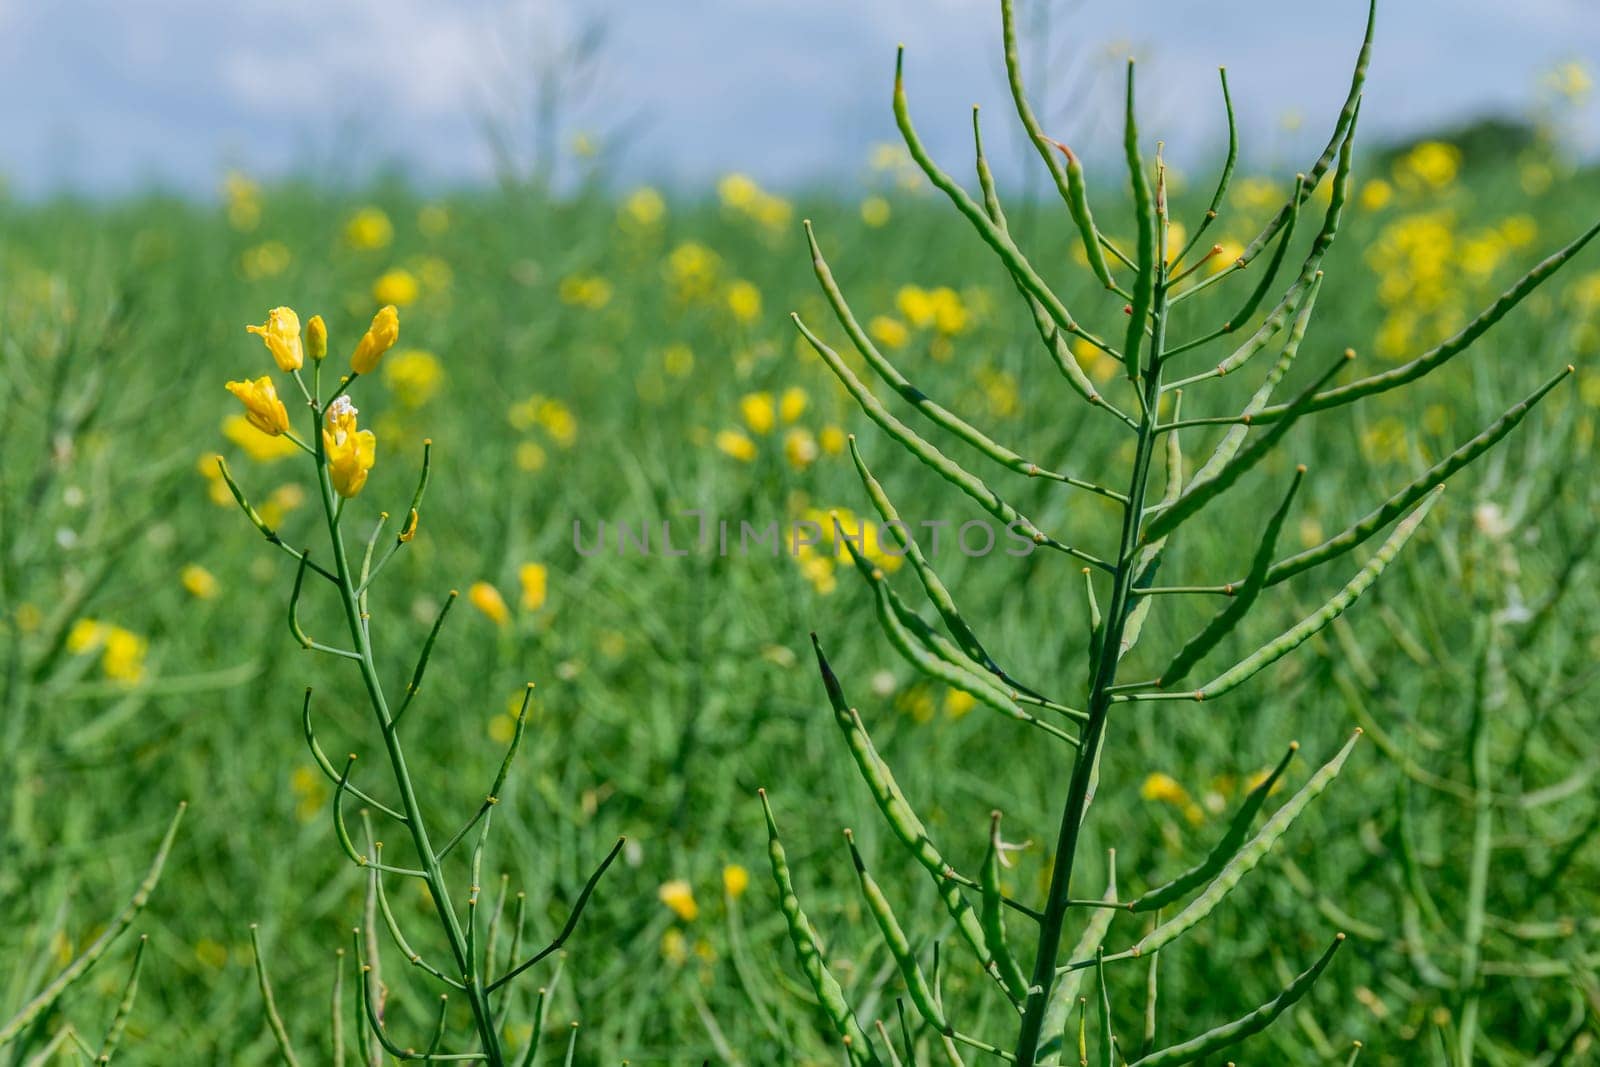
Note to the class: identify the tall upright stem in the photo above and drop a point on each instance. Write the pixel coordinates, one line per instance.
(1105, 676)
(477, 996)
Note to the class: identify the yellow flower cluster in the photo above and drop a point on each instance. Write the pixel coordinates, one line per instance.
(265, 260)
(692, 270)
(1429, 273)
(740, 195)
(820, 563)
(762, 413)
(940, 309)
(1428, 167)
(642, 210)
(549, 414)
(122, 652)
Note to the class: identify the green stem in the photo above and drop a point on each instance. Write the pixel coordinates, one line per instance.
(477, 996)
(1058, 898)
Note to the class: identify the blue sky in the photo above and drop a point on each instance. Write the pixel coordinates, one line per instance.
(102, 96)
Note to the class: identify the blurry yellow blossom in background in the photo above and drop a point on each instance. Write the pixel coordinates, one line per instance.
(799, 447)
(735, 444)
(398, 287)
(758, 412)
(678, 360)
(875, 211)
(265, 260)
(241, 198)
(735, 880)
(1431, 165)
(413, 375)
(487, 599)
(644, 208)
(888, 332)
(1376, 194)
(744, 300)
(368, 229)
(199, 582)
(534, 578)
(585, 291)
(792, 404)
(433, 220)
(832, 439)
(679, 898)
(122, 651)
(692, 269)
(259, 446)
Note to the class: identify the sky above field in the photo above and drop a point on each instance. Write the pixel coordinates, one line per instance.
(102, 97)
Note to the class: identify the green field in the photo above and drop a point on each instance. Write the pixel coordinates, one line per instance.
(627, 356)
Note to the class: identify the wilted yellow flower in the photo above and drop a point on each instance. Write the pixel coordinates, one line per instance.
(414, 376)
(281, 334)
(487, 599)
(875, 211)
(261, 405)
(379, 338)
(833, 440)
(351, 452)
(799, 447)
(888, 332)
(744, 300)
(200, 583)
(1376, 194)
(534, 578)
(736, 444)
(398, 287)
(758, 411)
(644, 208)
(678, 896)
(317, 338)
(368, 228)
(735, 880)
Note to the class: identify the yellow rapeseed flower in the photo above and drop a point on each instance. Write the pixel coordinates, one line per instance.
(738, 191)
(957, 702)
(535, 582)
(317, 338)
(679, 897)
(351, 452)
(487, 599)
(585, 291)
(261, 405)
(265, 260)
(200, 583)
(398, 287)
(888, 331)
(833, 440)
(379, 338)
(644, 208)
(758, 411)
(875, 211)
(281, 334)
(413, 375)
(792, 404)
(735, 880)
(1376, 194)
(735, 444)
(1430, 165)
(744, 301)
(799, 447)
(263, 448)
(368, 229)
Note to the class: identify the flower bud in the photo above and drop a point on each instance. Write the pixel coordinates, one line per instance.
(379, 338)
(317, 338)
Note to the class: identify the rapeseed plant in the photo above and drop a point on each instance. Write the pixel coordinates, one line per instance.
(1017, 943)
